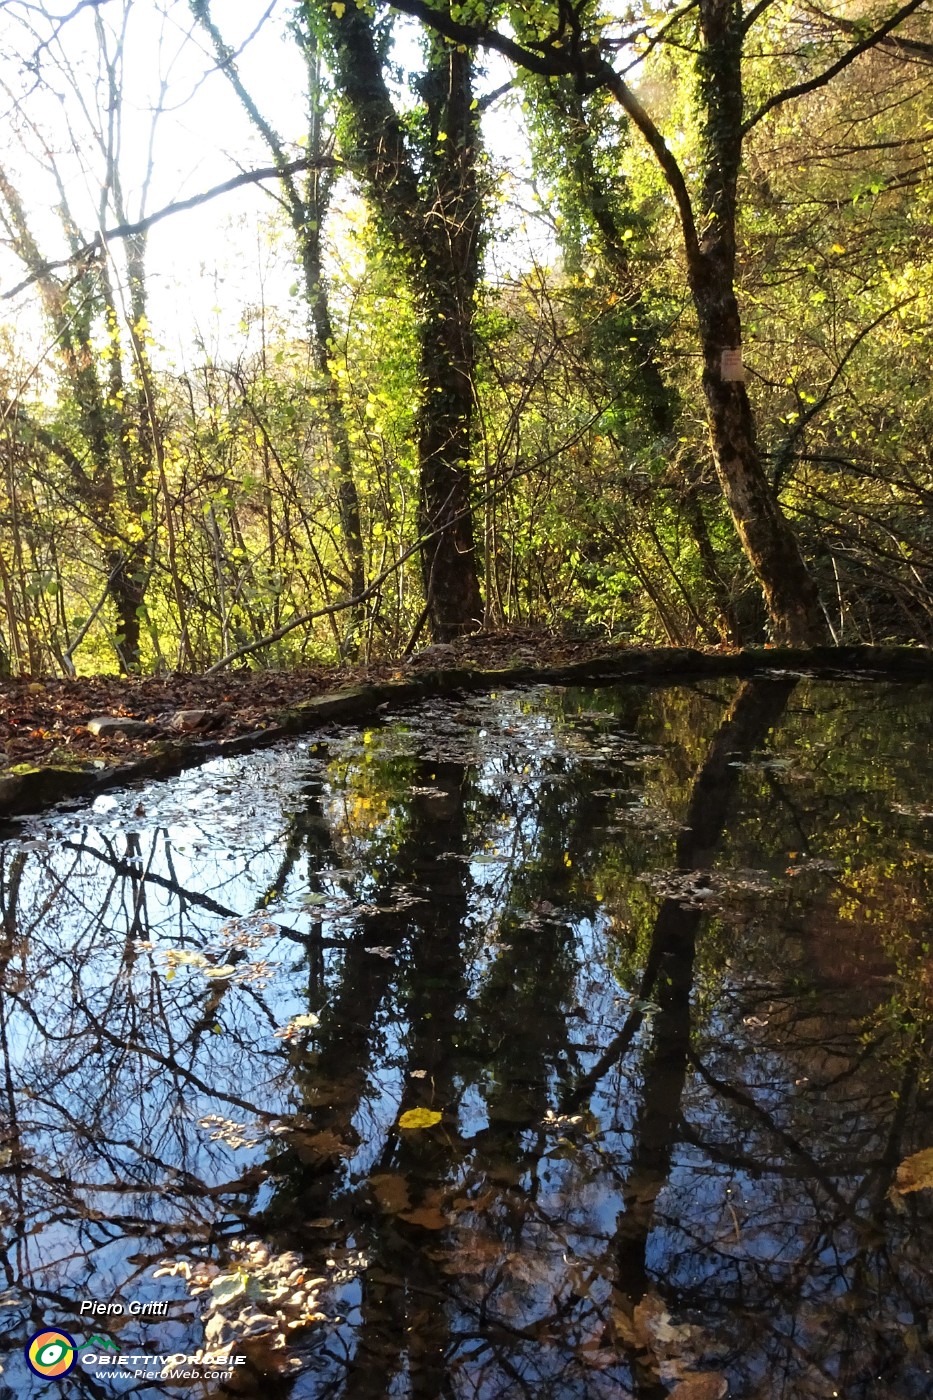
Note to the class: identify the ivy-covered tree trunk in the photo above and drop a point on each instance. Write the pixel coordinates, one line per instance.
(447, 267)
(769, 542)
(127, 589)
(566, 142)
(444, 439)
(420, 173)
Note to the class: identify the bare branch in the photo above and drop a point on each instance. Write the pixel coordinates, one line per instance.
(872, 40)
(179, 206)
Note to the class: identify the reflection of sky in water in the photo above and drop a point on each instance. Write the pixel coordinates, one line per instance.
(472, 898)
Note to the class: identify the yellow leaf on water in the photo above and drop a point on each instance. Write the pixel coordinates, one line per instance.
(419, 1118)
(915, 1173)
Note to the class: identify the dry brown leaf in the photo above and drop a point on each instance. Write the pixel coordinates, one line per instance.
(915, 1173)
(593, 1354)
(428, 1217)
(702, 1385)
(623, 1325)
(651, 1320)
(474, 1253)
(317, 1147)
(390, 1191)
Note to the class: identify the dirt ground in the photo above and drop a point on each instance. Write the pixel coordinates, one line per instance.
(44, 720)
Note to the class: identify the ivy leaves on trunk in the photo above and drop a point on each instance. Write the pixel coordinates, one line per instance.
(420, 172)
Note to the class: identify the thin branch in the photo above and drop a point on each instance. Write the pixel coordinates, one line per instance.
(179, 206)
(870, 41)
(583, 60)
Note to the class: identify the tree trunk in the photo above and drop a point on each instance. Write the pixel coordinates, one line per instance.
(423, 184)
(127, 588)
(768, 540)
(448, 557)
(348, 501)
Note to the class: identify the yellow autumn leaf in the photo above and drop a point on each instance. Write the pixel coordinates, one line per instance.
(419, 1118)
(338, 8)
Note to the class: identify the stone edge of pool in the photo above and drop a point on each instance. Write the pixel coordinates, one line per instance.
(25, 794)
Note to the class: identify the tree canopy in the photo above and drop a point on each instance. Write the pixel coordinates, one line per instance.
(601, 318)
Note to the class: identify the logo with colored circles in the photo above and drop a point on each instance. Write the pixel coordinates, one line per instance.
(51, 1353)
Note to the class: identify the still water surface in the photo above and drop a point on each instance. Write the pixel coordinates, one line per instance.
(659, 959)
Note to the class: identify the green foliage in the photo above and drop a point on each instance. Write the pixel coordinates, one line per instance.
(205, 512)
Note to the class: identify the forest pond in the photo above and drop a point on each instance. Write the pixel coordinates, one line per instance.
(555, 1043)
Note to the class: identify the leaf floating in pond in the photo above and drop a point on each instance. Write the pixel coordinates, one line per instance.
(380, 952)
(216, 973)
(427, 1217)
(296, 1024)
(227, 1286)
(420, 1118)
(915, 1173)
(391, 1192)
(701, 1385)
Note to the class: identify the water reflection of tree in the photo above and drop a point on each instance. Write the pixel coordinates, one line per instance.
(532, 1242)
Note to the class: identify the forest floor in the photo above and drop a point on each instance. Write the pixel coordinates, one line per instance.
(44, 721)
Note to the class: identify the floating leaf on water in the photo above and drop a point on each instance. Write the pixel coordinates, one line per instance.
(225, 970)
(227, 1286)
(427, 1217)
(702, 1385)
(419, 1118)
(317, 1147)
(391, 1191)
(915, 1173)
(305, 1022)
(314, 899)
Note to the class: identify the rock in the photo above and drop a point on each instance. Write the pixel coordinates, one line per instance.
(189, 720)
(111, 726)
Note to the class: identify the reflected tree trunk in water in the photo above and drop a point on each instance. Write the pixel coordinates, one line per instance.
(426, 962)
(668, 979)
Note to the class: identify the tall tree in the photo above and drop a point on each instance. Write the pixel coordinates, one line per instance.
(569, 145)
(307, 208)
(108, 436)
(581, 41)
(420, 172)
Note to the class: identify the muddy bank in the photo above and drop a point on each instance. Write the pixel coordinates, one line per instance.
(52, 766)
